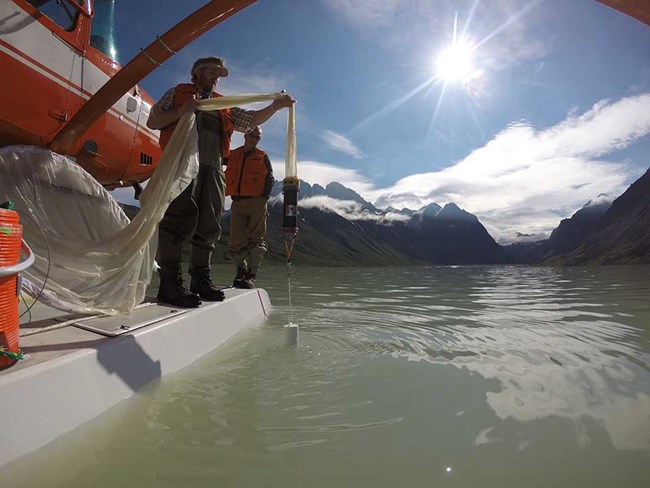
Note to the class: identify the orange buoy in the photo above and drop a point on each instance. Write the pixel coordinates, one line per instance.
(11, 235)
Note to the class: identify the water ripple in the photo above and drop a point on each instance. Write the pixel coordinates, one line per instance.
(333, 428)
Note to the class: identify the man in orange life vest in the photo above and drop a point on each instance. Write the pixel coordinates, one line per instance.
(196, 213)
(249, 181)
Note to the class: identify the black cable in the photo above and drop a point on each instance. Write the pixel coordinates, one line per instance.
(28, 308)
(47, 273)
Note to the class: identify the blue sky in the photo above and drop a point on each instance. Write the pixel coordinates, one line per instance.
(551, 109)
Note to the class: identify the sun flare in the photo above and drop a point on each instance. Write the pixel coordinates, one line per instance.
(454, 64)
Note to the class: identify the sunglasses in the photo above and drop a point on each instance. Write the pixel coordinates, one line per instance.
(254, 136)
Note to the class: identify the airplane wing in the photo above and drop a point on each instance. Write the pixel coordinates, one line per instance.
(185, 32)
(639, 9)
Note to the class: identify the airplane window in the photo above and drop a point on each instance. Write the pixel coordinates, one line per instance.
(102, 32)
(57, 11)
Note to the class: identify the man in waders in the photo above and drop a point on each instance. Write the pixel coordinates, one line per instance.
(249, 181)
(196, 213)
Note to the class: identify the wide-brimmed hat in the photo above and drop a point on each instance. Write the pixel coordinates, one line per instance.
(210, 62)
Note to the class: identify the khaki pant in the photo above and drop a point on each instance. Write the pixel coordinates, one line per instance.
(247, 245)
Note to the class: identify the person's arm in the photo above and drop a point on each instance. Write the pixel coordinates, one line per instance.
(270, 180)
(163, 115)
(264, 114)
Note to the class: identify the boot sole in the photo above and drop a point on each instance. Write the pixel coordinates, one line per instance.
(220, 299)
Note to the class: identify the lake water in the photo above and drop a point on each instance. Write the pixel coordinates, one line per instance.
(431, 376)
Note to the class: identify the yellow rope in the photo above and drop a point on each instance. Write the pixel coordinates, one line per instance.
(289, 248)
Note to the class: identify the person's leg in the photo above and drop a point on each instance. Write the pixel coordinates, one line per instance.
(176, 226)
(257, 246)
(237, 246)
(210, 197)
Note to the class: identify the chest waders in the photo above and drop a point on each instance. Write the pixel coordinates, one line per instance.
(195, 215)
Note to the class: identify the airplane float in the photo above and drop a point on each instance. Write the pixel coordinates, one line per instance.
(64, 90)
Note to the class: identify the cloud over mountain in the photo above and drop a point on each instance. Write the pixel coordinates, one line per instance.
(350, 210)
(525, 179)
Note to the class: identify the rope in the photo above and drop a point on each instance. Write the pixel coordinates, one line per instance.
(289, 281)
(13, 355)
(49, 328)
(289, 248)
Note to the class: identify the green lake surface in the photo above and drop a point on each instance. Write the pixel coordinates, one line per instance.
(450, 376)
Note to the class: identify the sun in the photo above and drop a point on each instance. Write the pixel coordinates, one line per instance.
(454, 63)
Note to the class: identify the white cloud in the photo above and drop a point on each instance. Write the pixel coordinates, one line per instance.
(349, 209)
(322, 173)
(498, 27)
(526, 180)
(368, 12)
(342, 144)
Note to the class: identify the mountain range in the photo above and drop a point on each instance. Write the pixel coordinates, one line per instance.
(339, 228)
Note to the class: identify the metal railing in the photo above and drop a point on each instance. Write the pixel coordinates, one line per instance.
(20, 267)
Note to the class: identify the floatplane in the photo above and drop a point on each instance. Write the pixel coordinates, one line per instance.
(83, 104)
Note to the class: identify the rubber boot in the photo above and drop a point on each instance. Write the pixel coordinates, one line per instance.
(202, 285)
(249, 280)
(240, 279)
(173, 291)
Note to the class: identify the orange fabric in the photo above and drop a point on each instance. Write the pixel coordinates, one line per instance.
(246, 178)
(186, 91)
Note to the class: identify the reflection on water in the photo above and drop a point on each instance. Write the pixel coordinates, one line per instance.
(451, 376)
(555, 347)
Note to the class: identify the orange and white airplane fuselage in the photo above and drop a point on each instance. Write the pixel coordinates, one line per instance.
(48, 73)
